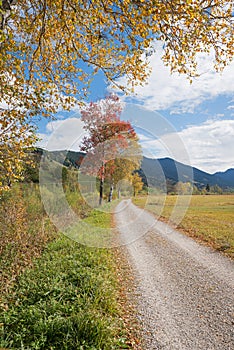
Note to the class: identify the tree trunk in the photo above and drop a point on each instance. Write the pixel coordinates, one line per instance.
(101, 190)
(111, 193)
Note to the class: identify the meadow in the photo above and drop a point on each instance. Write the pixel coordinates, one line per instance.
(207, 218)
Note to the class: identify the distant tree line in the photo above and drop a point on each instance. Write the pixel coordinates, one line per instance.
(183, 188)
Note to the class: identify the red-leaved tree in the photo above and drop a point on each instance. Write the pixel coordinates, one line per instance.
(108, 140)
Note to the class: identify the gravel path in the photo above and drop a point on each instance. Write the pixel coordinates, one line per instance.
(184, 290)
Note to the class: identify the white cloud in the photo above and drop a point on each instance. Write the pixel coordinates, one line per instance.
(166, 91)
(62, 135)
(210, 145)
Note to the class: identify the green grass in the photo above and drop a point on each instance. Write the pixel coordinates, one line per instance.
(67, 301)
(209, 218)
(93, 228)
(69, 296)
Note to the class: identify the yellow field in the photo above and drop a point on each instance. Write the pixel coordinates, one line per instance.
(208, 218)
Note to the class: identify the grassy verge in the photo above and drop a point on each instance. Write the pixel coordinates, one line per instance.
(68, 298)
(209, 218)
(24, 232)
(67, 301)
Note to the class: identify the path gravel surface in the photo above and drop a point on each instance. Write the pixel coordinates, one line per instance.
(184, 290)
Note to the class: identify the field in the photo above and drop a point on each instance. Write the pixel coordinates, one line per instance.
(207, 218)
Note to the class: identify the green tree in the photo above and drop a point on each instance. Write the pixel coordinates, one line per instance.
(51, 49)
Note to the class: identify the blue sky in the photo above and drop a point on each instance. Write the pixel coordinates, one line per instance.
(192, 123)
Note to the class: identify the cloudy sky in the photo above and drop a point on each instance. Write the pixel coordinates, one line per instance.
(192, 123)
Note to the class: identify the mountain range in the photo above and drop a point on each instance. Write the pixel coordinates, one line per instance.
(156, 172)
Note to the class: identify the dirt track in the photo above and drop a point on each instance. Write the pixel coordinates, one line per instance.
(184, 290)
